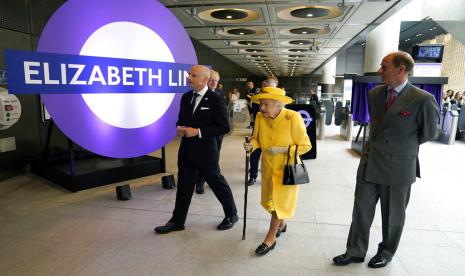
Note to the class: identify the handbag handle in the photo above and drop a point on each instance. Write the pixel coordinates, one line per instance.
(289, 153)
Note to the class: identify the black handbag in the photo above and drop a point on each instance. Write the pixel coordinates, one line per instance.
(295, 174)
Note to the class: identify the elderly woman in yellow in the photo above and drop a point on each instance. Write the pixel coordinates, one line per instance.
(276, 128)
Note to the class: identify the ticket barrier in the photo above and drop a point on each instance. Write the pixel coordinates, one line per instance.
(345, 129)
(320, 125)
(449, 127)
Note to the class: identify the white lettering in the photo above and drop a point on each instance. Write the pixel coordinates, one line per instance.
(47, 75)
(63, 73)
(28, 72)
(113, 75)
(170, 78)
(97, 75)
(74, 79)
(141, 76)
(186, 75)
(151, 77)
(127, 75)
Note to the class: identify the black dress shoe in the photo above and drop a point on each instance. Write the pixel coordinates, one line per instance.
(228, 223)
(378, 261)
(169, 227)
(251, 181)
(281, 231)
(346, 259)
(263, 248)
(200, 190)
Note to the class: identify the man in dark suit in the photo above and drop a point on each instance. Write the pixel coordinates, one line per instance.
(213, 86)
(402, 117)
(202, 117)
(252, 107)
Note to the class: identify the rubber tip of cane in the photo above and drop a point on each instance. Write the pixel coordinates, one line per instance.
(243, 238)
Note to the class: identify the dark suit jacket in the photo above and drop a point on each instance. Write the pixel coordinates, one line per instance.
(211, 118)
(391, 154)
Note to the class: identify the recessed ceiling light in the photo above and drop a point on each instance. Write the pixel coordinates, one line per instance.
(309, 15)
(229, 16)
(241, 33)
(304, 32)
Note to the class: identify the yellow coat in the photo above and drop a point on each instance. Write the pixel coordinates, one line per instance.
(287, 129)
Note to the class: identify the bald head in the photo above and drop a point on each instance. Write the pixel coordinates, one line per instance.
(395, 68)
(402, 58)
(198, 77)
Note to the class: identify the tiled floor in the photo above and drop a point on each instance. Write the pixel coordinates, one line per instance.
(46, 230)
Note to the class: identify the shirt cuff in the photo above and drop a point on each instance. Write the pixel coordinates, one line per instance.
(200, 133)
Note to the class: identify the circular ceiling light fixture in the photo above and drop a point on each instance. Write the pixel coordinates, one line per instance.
(246, 31)
(310, 13)
(300, 31)
(249, 42)
(299, 42)
(255, 50)
(228, 15)
(298, 50)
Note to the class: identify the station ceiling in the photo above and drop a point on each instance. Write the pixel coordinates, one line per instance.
(284, 38)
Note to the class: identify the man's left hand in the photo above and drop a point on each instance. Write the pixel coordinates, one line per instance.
(191, 132)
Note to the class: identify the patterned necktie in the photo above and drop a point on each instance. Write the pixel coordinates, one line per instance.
(194, 99)
(391, 98)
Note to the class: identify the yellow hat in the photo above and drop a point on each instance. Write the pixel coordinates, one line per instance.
(272, 93)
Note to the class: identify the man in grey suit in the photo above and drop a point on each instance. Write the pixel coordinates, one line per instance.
(402, 117)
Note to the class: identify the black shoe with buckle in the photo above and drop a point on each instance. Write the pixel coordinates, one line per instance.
(169, 227)
(280, 231)
(378, 261)
(228, 223)
(263, 248)
(251, 181)
(346, 259)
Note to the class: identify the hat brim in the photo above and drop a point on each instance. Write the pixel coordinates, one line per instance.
(262, 96)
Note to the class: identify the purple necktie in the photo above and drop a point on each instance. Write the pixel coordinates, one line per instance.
(391, 98)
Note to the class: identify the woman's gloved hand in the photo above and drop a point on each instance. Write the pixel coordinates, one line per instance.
(247, 146)
(277, 150)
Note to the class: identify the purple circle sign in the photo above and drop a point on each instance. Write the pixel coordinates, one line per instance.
(69, 31)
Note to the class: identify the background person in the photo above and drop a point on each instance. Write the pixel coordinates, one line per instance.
(249, 93)
(213, 86)
(277, 128)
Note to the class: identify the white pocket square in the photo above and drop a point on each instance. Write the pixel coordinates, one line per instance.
(204, 108)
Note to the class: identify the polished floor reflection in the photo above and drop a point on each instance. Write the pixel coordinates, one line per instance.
(46, 230)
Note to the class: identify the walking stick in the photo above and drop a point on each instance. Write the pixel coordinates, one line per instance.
(247, 158)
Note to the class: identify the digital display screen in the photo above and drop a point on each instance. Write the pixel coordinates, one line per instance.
(429, 52)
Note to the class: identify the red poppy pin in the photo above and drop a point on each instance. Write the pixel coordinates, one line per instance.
(405, 113)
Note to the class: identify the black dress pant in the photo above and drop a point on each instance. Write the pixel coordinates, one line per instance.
(186, 186)
(394, 200)
(200, 179)
(254, 160)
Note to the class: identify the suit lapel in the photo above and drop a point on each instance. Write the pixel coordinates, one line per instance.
(403, 100)
(203, 101)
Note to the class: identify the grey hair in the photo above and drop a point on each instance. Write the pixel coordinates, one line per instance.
(269, 82)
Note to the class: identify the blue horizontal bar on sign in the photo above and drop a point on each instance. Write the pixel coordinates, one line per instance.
(49, 73)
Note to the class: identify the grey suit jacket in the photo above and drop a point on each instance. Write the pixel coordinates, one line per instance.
(391, 154)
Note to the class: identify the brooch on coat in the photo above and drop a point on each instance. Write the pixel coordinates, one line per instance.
(405, 113)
